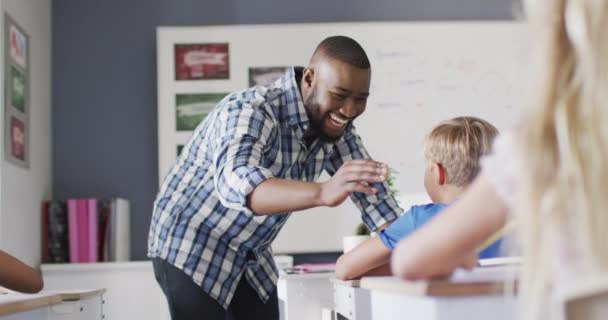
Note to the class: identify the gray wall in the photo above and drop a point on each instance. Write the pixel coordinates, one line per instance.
(104, 80)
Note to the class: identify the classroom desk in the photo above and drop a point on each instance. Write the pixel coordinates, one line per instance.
(303, 296)
(350, 300)
(53, 305)
(466, 299)
(79, 304)
(27, 306)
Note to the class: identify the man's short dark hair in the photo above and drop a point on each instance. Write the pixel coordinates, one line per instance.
(346, 50)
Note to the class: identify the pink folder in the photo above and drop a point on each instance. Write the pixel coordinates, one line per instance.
(83, 231)
(73, 229)
(93, 241)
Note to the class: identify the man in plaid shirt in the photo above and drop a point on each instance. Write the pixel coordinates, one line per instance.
(248, 165)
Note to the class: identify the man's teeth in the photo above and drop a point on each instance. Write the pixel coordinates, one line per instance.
(338, 119)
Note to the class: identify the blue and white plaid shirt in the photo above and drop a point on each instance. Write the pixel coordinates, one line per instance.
(201, 223)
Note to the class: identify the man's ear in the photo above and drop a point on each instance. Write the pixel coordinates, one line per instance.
(440, 173)
(308, 76)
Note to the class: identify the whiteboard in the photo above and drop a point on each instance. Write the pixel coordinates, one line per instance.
(422, 73)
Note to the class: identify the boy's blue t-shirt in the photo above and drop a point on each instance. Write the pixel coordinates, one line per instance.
(414, 219)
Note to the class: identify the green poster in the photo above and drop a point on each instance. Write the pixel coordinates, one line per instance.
(17, 89)
(191, 109)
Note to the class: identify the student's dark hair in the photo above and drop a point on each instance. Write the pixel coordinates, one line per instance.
(344, 49)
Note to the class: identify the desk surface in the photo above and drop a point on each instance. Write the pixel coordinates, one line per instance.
(349, 283)
(304, 276)
(75, 295)
(13, 303)
(18, 302)
(92, 267)
(481, 281)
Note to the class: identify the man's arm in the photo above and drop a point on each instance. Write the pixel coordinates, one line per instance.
(370, 256)
(275, 196)
(243, 183)
(376, 209)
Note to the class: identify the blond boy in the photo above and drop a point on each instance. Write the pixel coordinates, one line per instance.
(452, 151)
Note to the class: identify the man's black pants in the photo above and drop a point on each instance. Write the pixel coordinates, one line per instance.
(187, 300)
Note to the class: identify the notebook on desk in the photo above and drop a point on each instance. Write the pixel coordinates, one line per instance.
(500, 261)
(485, 274)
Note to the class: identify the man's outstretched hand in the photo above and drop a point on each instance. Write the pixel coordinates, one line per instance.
(352, 176)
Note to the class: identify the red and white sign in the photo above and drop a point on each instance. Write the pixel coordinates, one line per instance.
(202, 61)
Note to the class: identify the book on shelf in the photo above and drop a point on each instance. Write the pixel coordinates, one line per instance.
(119, 248)
(55, 232)
(85, 230)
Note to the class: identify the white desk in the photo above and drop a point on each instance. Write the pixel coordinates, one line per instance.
(302, 296)
(79, 304)
(350, 300)
(454, 299)
(132, 292)
(53, 305)
(26, 306)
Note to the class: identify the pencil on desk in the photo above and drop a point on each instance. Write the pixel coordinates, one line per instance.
(497, 235)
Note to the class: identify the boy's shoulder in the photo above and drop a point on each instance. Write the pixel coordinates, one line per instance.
(424, 210)
(416, 216)
(428, 207)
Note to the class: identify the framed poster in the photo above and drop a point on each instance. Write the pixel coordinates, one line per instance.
(202, 61)
(191, 109)
(17, 93)
(263, 76)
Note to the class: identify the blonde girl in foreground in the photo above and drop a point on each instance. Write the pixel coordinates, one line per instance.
(550, 175)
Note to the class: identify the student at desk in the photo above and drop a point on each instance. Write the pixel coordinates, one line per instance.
(16, 275)
(549, 175)
(452, 150)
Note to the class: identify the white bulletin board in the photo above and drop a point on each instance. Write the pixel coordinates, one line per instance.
(422, 73)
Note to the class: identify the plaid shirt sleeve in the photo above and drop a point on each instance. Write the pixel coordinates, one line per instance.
(238, 157)
(376, 209)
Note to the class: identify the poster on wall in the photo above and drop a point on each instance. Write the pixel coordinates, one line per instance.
(191, 109)
(17, 137)
(17, 93)
(202, 61)
(263, 76)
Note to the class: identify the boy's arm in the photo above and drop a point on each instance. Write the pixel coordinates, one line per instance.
(450, 240)
(383, 270)
(368, 256)
(16, 275)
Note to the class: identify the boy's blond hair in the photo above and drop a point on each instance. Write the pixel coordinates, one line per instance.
(458, 144)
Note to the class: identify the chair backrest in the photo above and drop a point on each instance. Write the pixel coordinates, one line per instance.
(587, 299)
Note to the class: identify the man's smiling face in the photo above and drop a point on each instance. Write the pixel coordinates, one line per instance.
(338, 94)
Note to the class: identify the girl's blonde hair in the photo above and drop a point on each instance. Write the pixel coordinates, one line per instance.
(458, 144)
(565, 149)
